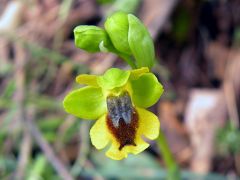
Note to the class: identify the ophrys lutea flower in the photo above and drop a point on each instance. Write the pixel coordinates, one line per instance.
(118, 100)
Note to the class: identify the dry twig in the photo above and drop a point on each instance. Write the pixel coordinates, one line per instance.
(46, 148)
(20, 61)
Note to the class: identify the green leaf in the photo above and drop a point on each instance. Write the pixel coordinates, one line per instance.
(228, 140)
(146, 90)
(50, 123)
(105, 1)
(89, 38)
(117, 29)
(113, 78)
(87, 103)
(140, 43)
(134, 167)
(8, 165)
(37, 168)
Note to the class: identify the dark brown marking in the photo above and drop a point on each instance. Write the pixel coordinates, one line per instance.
(125, 133)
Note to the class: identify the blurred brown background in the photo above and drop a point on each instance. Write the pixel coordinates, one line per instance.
(197, 47)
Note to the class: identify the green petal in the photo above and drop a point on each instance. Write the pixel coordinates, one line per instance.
(87, 79)
(146, 90)
(113, 78)
(140, 43)
(117, 29)
(86, 103)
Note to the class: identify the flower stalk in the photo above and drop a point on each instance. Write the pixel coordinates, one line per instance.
(128, 60)
(173, 169)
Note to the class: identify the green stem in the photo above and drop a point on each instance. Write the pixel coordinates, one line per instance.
(173, 169)
(128, 60)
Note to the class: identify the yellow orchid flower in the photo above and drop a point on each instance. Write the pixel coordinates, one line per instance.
(118, 100)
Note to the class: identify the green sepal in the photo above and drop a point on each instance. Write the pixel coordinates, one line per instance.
(113, 78)
(90, 38)
(146, 90)
(140, 43)
(87, 103)
(117, 29)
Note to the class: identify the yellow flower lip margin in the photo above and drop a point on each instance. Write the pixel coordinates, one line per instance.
(149, 127)
(89, 102)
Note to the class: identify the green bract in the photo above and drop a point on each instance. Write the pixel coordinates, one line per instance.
(117, 28)
(89, 102)
(130, 36)
(140, 43)
(91, 38)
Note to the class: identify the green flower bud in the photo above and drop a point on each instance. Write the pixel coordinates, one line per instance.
(129, 36)
(92, 39)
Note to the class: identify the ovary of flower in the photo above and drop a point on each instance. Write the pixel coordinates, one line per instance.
(118, 100)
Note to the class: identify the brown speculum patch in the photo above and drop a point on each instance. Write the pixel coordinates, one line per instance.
(122, 119)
